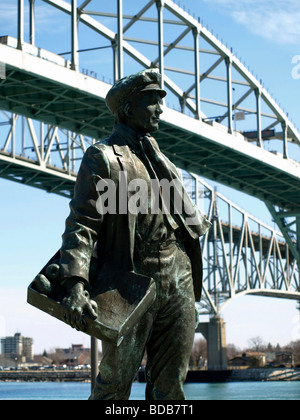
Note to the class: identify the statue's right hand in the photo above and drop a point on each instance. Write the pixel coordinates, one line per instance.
(75, 304)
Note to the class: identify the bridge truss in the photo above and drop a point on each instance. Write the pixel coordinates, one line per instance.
(220, 123)
(241, 254)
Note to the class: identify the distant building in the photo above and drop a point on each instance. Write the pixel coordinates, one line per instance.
(250, 359)
(281, 358)
(17, 347)
(284, 358)
(76, 355)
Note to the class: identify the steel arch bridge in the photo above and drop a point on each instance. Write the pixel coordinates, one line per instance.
(219, 123)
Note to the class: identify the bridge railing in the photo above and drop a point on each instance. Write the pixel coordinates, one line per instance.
(40, 155)
(43, 144)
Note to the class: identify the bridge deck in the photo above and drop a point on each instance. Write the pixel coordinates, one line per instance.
(44, 90)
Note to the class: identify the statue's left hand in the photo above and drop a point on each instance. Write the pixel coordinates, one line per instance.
(76, 304)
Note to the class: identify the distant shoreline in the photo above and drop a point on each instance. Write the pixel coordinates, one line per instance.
(235, 375)
(45, 376)
(265, 375)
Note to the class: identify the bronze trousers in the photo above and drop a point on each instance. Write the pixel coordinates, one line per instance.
(166, 332)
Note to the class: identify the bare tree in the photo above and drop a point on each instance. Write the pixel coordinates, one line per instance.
(199, 352)
(256, 343)
(295, 348)
(232, 351)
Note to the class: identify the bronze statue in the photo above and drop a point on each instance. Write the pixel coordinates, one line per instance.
(157, 239)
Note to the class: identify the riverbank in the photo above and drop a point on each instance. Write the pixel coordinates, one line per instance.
(203, 376)
(239, 375)
(45, 376)
(265, 374)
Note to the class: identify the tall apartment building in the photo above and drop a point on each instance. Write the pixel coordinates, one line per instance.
(17, 346)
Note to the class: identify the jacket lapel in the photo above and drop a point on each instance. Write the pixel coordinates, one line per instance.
(128, 168)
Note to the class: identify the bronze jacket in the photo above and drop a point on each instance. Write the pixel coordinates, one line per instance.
(111, 236)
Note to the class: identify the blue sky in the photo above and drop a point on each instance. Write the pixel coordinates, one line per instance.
(264, 34)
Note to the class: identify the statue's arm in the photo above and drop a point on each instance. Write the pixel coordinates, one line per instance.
(81, 232)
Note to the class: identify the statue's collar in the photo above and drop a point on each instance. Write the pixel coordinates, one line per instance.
(131, 136)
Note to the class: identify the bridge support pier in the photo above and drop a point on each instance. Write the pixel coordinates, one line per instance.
(215, 335)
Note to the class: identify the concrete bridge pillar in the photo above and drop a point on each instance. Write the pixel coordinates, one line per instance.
(215, 335)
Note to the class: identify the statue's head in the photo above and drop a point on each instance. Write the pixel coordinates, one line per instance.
(136, 100)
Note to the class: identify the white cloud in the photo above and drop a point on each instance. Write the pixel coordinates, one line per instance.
(278, 21)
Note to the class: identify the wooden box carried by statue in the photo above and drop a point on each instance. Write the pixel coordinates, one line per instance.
(122, 298)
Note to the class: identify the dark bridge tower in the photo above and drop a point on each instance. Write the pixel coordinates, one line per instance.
(214, 333)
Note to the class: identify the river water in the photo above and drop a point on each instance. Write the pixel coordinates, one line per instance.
(224, 391)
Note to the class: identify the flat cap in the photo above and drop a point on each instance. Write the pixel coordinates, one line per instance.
(146, 80)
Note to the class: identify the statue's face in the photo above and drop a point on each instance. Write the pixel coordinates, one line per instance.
(145, 111)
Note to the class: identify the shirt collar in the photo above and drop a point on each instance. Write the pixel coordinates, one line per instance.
(131, 136)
